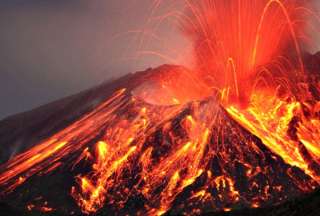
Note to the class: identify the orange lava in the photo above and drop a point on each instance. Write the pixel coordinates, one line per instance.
(233, 38)
(270, 119)
(236, 44)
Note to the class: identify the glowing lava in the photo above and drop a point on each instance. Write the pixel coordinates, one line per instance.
(232, 39)
(213, 139)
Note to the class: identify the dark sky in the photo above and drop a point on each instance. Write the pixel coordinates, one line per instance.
(54, 48)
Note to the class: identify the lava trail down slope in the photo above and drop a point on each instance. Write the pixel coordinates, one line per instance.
(112, 153)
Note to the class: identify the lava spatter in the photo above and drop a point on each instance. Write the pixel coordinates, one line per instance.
(239, 130)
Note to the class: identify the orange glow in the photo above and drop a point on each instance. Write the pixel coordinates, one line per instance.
(234, 131)
(269, 118)
(229, 49)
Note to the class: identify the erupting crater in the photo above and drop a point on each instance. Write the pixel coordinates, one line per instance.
(240, 130)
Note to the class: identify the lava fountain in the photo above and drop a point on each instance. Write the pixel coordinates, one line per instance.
(251, 53)
(239, 130)
(232, 39)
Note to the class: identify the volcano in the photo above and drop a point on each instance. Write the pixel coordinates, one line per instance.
(117, 149)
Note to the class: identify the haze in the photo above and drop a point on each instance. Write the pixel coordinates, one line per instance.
(54, 48)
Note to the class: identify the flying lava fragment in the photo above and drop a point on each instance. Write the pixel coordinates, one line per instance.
(241, 129)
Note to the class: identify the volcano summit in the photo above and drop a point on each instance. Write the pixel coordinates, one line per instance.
(237, 134)
(110, 152)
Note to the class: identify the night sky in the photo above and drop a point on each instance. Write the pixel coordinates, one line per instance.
(54, 48)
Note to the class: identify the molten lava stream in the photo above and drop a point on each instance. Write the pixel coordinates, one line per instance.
(171, 143)
(230, 53)
(271, 119)
(185, 159)
(41, 156)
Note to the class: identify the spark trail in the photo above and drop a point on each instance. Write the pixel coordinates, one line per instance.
(234, 132)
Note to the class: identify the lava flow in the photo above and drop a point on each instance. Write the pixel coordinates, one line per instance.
(239, 130)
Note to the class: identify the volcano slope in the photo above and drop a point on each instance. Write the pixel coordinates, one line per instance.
(106, 151)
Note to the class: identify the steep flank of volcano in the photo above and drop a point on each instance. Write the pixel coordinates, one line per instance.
(108, 151)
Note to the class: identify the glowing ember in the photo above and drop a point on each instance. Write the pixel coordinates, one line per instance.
(236, 132)
(230, 48)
